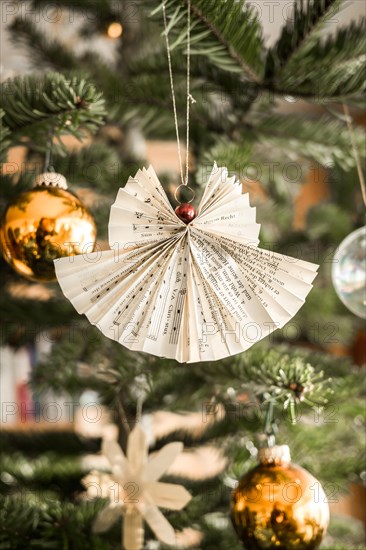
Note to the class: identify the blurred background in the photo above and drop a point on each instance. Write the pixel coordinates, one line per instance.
(279, 93)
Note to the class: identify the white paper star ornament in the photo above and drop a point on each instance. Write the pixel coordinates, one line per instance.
(193, 292)
(134, 492)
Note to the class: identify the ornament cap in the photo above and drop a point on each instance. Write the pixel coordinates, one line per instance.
(50, 179)
(278, 454)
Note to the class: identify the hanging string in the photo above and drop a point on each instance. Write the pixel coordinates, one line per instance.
(49, 149)
(184, 177)
(355, 152)
(189, 97)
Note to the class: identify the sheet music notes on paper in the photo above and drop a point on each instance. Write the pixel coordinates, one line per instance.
(196, 292)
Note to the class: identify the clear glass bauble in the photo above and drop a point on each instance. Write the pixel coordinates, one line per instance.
(349, 272)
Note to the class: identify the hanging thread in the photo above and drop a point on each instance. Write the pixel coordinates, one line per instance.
(49, 149)
(355, 152)
(190, 99)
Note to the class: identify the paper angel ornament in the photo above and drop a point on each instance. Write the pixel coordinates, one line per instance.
(192, 292)
(134, 491)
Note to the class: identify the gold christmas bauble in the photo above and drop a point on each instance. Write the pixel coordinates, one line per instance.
(43, 224)
(279, 505)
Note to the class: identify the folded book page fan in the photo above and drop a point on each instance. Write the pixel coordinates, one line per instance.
(193, 292)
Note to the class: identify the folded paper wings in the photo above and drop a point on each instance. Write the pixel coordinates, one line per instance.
(196, 292)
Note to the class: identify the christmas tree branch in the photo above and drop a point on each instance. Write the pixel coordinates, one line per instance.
(36, 441)
(33, 104)
(216, 34)
(346, 44)
(200, 14)
(325, 140)
(307, 20)
(43, 50)
(334, 68)
(97, 165)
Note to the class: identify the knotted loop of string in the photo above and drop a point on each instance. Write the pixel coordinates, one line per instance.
(176, 192)
(183, 176)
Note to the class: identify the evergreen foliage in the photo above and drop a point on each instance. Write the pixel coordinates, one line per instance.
(237, 83)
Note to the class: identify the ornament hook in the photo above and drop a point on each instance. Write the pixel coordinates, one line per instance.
(176, 192)
(49, 150)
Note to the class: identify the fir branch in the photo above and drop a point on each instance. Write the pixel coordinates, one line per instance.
(306, 22)
(41, 49)
(229, 34)
(34, 442)
(331, 68)
(325, 140)
(47, 472)
(284, 380)
(52, 53)
(236, 155)
(129, 101)
(28, 520)
(216, 90)
(97, 166)
(32, 104)
(346, 44)
(343, 82)
(18, 326)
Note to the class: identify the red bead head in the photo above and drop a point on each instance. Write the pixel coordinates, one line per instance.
(186, 212)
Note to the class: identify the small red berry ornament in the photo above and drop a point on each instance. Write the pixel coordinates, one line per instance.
(186, 212)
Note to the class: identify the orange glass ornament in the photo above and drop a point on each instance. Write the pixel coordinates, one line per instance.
(43, 224)
(279, 505)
